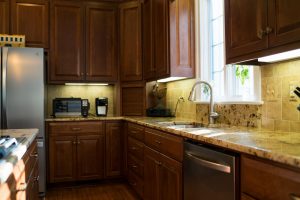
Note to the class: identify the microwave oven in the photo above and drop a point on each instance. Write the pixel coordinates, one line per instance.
(70, 107)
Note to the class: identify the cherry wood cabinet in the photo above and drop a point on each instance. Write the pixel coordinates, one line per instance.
(163, 176)
(67, 41)
(4, 16)
(113, 149)
(31, 18)
(133, 99)
(130, 41)
(168, 39)
(262, 179)
(260, 28)
(101, 42)
(62, 158)
(90, 157)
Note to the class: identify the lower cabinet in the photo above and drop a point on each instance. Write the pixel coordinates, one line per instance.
(163, 176)
(265, 180)
(84, 151)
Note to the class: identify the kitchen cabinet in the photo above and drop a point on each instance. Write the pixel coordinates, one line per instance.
(130, 41)
(260, 28)
(133, 99)
(90, 157)
(255, 180)
(4, 16)
(76, 151)
(113, 149)
(168, 29)
(163, 176)
(67, 41)
(101, 42)
(31, 18)
(62, 155)
(83, 42)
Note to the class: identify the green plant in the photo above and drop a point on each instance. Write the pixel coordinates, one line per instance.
(242, 73)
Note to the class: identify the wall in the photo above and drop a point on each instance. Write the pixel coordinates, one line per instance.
(85, 92)
(277, 113)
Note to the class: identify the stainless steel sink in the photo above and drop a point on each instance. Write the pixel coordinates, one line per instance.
(181, 125)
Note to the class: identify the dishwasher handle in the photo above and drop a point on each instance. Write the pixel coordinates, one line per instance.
(209, 164)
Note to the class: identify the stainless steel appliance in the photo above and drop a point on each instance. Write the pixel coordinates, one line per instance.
(66, 107)
(22, 96)
(101, 106)
(208, 173)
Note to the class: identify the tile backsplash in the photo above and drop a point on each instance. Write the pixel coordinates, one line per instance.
(279, 111)
(85, 92)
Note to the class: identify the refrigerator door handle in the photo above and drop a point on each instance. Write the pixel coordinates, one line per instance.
(4, 76)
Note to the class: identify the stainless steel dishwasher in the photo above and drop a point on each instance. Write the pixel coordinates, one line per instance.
(209, 174)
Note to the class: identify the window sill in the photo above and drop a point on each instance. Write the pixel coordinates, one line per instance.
(232, 102)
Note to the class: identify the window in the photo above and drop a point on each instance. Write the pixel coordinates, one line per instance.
(231, 83)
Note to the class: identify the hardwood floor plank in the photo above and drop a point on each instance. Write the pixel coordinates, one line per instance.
(115, 191)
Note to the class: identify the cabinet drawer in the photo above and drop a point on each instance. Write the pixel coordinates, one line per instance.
(135, 148)
(30, 160)
(136, 131)
(136, 165)
(76, 127)
(261, 180)
(165, 143)
(136, 183)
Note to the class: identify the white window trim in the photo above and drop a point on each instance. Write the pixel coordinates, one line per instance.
(202, 71)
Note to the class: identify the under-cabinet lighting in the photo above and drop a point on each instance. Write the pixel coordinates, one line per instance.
(87, 84)
(281, 56)
(165, 80)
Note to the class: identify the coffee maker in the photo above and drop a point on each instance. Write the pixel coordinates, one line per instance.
(101, 106)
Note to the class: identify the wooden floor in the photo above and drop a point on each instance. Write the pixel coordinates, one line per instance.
(111, 191)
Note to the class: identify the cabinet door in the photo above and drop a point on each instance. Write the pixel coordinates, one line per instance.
(245, 22)
(62, 158)
(181, 17)
(90, 157)
(67, 48)
(30, 18)
(151, 175)
(284, 19)
(4, 16)
(132, 100)
(113, 149)
(130, 42)
(170, 179)
(101, 41)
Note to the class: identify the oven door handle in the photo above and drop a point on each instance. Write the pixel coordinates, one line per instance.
(209, 164)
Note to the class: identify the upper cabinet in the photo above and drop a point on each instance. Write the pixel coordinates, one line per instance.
(83, 42)
(4, 17)
(67, 41)
(256, 28)
(168, 39)
(130, 42)
(31, 18)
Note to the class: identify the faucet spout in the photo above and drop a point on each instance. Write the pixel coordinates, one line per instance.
(192, 97)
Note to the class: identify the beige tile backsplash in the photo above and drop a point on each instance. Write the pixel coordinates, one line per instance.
(279, 112)
(85, 92)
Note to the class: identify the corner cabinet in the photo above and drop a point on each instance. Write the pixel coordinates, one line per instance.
(83, 42)
(31, 18)
(168, 39)
(257, 28)
(130, 41)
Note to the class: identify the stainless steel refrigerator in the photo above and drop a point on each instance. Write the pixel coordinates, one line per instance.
(22, 96)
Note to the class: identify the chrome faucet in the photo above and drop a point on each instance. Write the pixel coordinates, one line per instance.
(212, 114)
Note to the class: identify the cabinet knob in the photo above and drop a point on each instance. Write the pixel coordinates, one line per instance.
(81, 73)
(269, 30)
(261, 33)
(74, 142)
(78, 142)
(133, 148)
(157, 162)
(36, 179)
(132, 183)
(134, 166)
(158, 142)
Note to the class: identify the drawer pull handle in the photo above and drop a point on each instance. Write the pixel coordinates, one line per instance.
(34, 155)
(76, 129)
(294, 197)
(158, 142)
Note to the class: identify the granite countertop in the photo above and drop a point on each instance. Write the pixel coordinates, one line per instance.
(89, 118)
(25, 137)
(281, 147)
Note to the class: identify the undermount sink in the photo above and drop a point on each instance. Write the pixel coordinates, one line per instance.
(181, 125)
